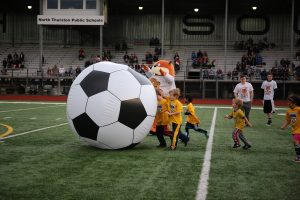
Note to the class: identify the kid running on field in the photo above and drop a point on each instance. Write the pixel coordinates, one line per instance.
(175, 118)
(292, 117)
(240, 119)
(161, 117)
(192, 121)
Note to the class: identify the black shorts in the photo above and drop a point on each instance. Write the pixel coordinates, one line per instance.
(268, 106)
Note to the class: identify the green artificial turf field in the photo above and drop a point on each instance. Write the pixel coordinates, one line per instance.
(46, 161)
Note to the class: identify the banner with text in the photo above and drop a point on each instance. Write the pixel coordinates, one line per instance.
(70, 20)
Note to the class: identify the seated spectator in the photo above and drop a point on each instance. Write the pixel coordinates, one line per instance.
(193, 56)
(205, 74)
(238, 66)
(148, 58)
(258, 60)
(211, 74)
(263, 74)
(157, 50)
(205, 58)
(81, 54)
(4, 63)
(177, 63)
(55, 71)
(135, 59)
(126, 57)
(176, 56)
(155, 58)
(49, 72)
(219, 74)
(22, 57)
(77, 71)
(235, 74)
(70, 71)
(15, 57)
(61, 71)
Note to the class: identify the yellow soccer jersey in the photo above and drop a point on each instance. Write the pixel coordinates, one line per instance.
(175, 106)
(161, 113)
(192, 117)
(238, 117)
(292, 116)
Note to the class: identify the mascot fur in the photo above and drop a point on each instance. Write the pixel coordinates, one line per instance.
(163, 71)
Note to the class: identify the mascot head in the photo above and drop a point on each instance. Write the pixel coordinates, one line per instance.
(163, 65)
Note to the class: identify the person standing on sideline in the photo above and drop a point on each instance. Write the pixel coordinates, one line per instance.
(269, 87)
(244, 91)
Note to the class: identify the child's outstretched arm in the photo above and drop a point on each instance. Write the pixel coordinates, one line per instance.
(247, 122)
(284, 125)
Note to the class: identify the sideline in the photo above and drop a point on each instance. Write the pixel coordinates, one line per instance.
(32, 131)
(203, 181)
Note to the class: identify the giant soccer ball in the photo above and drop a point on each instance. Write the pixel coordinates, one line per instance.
(111, 106)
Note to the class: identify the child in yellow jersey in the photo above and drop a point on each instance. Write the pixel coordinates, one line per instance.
(161, 117)
(240, 119)
(192, 121)
(292, 117)
(175, 118)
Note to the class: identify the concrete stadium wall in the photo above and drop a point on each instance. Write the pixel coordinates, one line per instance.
(140, 28)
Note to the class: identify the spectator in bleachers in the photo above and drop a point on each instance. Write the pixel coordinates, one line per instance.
(194, 57)
(106, 55)
(155, 57)
(238, 66)
(61, 71)
(263, 74)
(219, 74)
(135, 59)
(176, 62)
(199, 54)
(148, 58)
(49, 72)
(126, 57)
(4, 63)
(77, 71)
(22, 57)
(70, 71)
(16, 56)
(81, 54)
(55, 71)
(258, 60)
(211, 74)
(204, 58)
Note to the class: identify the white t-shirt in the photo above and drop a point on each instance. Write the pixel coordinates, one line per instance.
(269, 87)
(243, 91)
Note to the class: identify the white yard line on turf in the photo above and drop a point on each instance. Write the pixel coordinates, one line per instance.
(203, 182)
(32, 131)
(22, 109)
